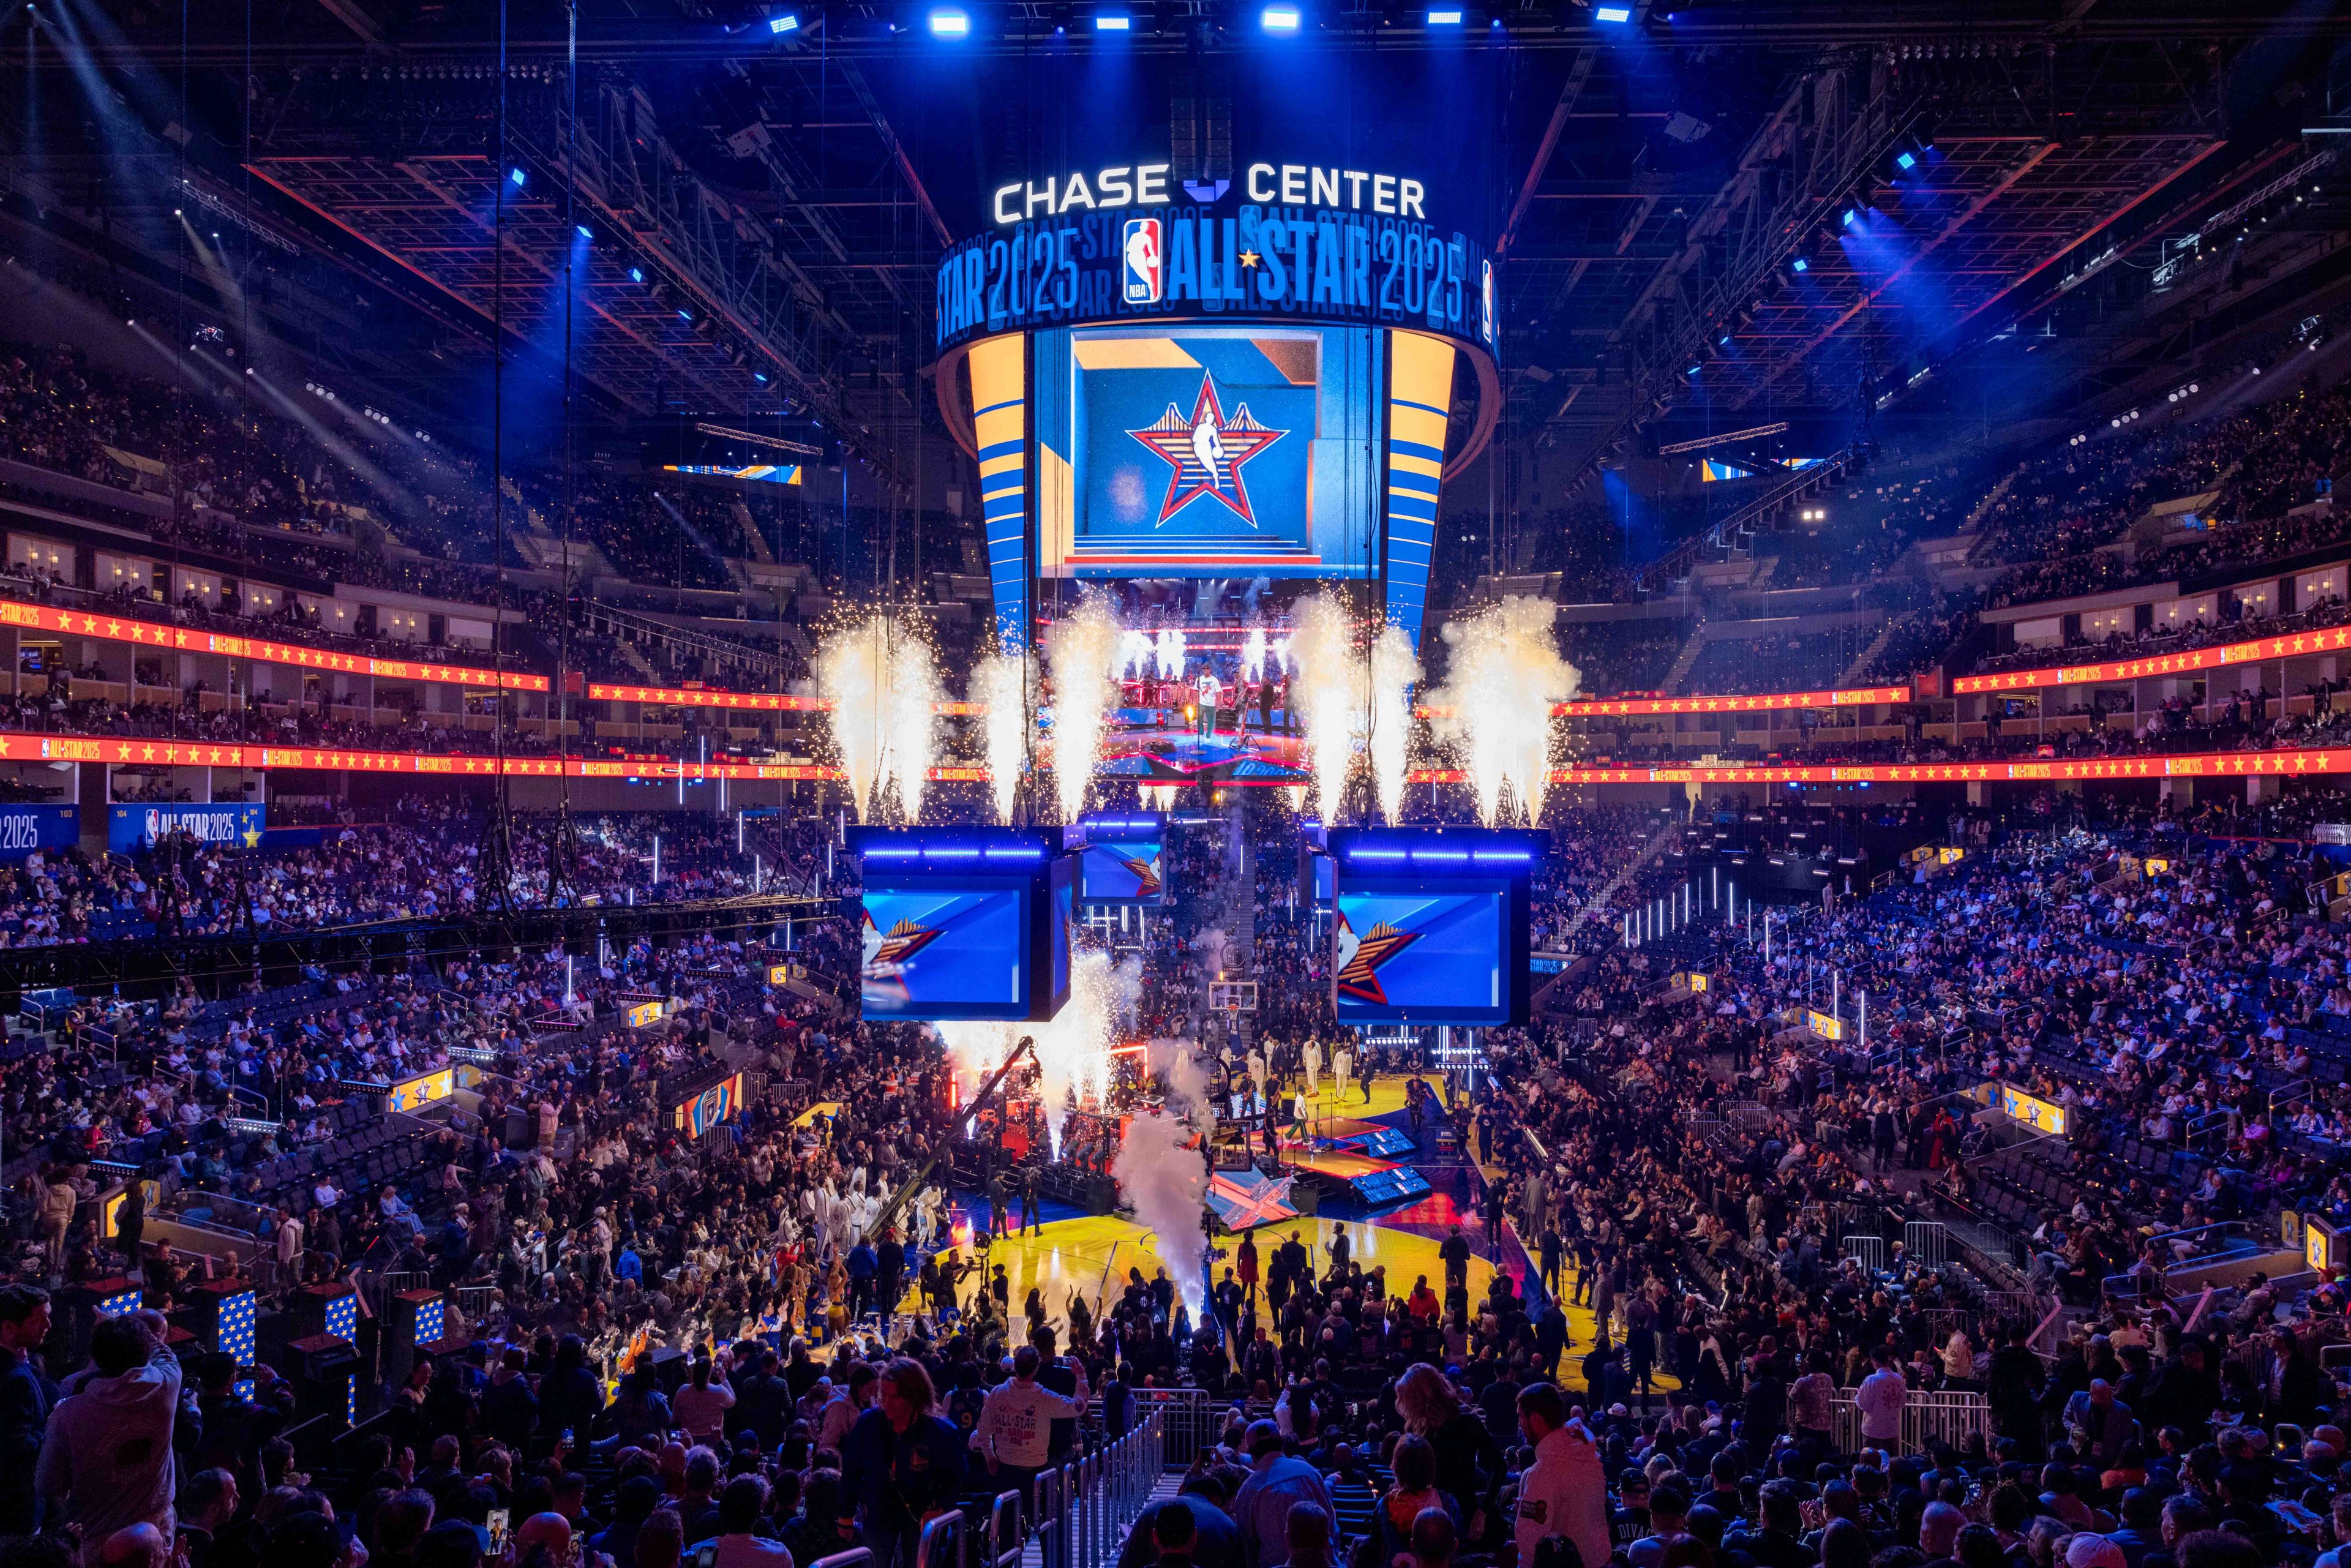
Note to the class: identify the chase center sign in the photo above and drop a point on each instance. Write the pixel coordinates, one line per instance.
(1125, 243)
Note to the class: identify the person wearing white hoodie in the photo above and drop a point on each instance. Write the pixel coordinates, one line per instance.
(106, 1460)
(1565, 1491)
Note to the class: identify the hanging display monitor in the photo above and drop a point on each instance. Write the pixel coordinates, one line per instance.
(962, 923)
(1122, 859)
(1431, 927)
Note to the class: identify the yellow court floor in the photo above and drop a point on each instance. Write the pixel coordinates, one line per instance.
(1093, 1254)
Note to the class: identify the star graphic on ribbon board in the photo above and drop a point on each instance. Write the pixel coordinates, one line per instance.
(1206, 451)
(1250, 258)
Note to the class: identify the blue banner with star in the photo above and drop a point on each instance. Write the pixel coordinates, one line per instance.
(1207, 451)
(237, 826)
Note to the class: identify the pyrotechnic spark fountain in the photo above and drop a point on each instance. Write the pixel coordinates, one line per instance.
(852, 668)
(1253, 655)
(1003, 681)
(1170, 655)
(1134, 653)
(1495, 705)
(1396, 670)
(912, 716)
(1073, 1051)
(883, 677)
(1082, 655)
(1326, 687)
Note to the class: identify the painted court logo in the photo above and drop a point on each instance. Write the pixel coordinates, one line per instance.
(1144, 262)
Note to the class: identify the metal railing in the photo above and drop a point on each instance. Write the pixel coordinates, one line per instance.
(1190, 1419)
(1927, 1418)
(1084, 1508)
(941, 1545)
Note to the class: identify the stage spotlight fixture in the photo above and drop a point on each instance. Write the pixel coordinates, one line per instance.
(1445, 19)
(1850, 214)
(636, 275)
(790, 22)
(1279, 19)
(1114, 22)
(517, 176)
(1612, 12)
(1801, 265)
(584, 232)
(1906, 160)
(950, 24)
(1693, 368)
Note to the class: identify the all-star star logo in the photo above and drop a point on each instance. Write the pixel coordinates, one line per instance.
(1206, 453)
(1359, 977)
(905, 939)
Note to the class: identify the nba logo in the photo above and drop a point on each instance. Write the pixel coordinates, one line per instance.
(1144, 267)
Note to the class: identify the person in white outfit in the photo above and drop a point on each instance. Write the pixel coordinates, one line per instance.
(1343, 1069)
(1312, 1056)
(1880, 1399)
(1565, 1491)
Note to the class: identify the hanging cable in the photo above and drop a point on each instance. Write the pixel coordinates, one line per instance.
(562, 852)
(500, 842)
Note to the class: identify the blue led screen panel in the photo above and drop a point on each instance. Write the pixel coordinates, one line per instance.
(1123, 871)
(946, 949)
(1207, 451)
(1414, 951)
(1060, 910)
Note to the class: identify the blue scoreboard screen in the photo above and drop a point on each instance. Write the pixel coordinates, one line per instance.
(1207, 451)
(945, 952)
(1423, 955)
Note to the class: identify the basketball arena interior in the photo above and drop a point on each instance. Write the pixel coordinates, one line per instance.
(1195, 784)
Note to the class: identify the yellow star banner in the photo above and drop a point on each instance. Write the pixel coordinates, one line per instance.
(2298, 644)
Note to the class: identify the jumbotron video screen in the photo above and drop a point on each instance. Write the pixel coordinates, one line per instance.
(1207, 451)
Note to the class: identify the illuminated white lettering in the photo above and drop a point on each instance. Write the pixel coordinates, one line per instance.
(1151, 183)
(1003, 216)
(1032, 198)
(1265, 171)
(1384, 193)
(1355, 178)
(1117, 188)
(1408, 193)
(1326, 187)
(1076, 194)
(1294, 183)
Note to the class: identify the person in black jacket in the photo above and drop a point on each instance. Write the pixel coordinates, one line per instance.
(25, 1396)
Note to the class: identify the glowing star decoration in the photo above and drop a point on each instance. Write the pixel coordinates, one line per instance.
(1206, 451)
(1360, 959)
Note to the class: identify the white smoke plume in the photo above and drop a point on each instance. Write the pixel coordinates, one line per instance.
(912, 716)
(1396, 670)
(1135, 652)
(1326, 687)
(1082, 655)
(1004, 681)
(1074, 1048)
(1505, 672)
(852, 670)
(1165, 1183)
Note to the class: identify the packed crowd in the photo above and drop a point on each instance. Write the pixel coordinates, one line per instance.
(426, 861)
